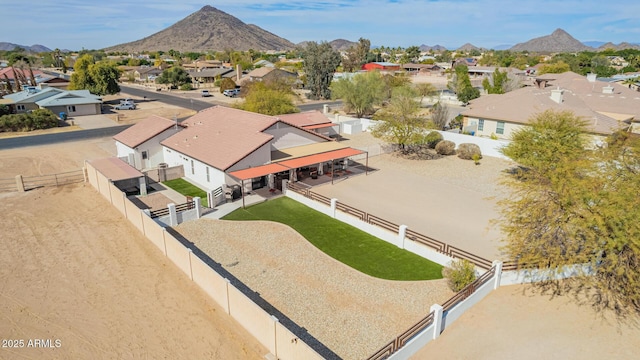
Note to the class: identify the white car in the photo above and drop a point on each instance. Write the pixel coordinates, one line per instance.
(231, 92)
(126, 106)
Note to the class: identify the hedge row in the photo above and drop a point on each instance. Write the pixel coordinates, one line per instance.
(35, 120)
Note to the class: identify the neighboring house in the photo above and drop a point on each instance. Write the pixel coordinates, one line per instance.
(464, 61)
(73, 102)
(267, 74)
(209, 76)
(222, 146)
(381, 66)
(146, 73)
(203, 65)
(263, 63)
(140, 146)
(312, 120)
(606, 107)
(41, 78)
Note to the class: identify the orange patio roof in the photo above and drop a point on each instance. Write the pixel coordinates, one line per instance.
(319, 158)
(273, 168)
(258, 171)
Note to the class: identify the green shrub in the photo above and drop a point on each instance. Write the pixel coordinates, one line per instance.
(186, 87)
(35, 120)
(227, 84)
(446, 147)
(432, 139)
(494, 136)
(466, 151)
(459, 274)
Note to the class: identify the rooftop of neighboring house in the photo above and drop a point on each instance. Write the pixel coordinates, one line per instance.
(144, 130)
(8, 71)
(603, 105)
(304, 119)
(210, 72)
(50, 96)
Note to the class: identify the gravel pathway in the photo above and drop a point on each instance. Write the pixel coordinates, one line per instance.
(351, 313)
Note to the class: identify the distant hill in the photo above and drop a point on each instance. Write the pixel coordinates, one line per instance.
(6, 46)
(436, 48)
(342, 44)
(468, 47)
(208, 29)
(558, 41)
(621, 46)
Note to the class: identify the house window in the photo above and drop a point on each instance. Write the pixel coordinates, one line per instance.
(71, 108)
(20, 107)
(208, 179)
(193, 169)
(480, 124)
(144, 155)
(500, 127)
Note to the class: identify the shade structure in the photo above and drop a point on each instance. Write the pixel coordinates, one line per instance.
(258, 171)
(319, 158)
(115, 169)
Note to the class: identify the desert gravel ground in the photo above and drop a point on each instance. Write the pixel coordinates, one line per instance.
(351, 313)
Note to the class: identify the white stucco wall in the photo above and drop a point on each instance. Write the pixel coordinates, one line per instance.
(259, 157)
(490, 127)
(197, 174)
(123, 150)
(285, 136)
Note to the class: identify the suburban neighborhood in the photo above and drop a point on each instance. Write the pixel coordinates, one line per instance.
(240, 196)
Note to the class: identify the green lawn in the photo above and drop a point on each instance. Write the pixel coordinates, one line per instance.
(343, 242)
(187, 189)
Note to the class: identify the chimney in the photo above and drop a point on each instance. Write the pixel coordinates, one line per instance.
(591, 77)
(238, 73)
(607, 89)
(556, 95)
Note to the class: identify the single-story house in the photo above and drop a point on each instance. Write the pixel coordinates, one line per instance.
(146, 73)
(209, 76)
(139, 145)
(218, 142)
(607, 107)
(72, 102)
(40, 77)
(313, 120)
(268, 74)
(464, 61)
(381, 66)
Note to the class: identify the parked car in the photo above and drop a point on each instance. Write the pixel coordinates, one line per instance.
(205, 93)
(126, 106)
(231, 92)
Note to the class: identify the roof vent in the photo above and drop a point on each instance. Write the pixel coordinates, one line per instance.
(607, 89)
(556, 95)
(591, 77)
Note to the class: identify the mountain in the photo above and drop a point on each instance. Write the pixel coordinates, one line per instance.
(594, 44)
(558, 41)
(6, 46)
(435, 48)
(342, 44)
(621, 46)
(468, 47)
(208, 29)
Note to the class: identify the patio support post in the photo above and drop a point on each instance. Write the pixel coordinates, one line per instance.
(366, 165)
(332, 173)
(242, 192)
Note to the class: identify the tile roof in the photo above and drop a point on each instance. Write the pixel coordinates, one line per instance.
(221, 136)
(584, 98)
(260, 72)
(307, 118)
(144, 130)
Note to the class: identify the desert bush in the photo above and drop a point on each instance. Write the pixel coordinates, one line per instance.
(227, 84)
(467, 150)
(37, 119)
(432, 139)
(459, 274)
(186, 87)
(446, 147)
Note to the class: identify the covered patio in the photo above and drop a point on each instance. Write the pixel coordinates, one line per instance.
(308, 168)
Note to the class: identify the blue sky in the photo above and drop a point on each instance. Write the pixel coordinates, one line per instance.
(91, 24)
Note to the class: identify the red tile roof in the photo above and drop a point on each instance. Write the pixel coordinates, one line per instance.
(143, 131)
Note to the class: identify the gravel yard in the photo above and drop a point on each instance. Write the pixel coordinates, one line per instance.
(350, 313)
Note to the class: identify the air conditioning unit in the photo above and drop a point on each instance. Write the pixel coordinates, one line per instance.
(163, 165)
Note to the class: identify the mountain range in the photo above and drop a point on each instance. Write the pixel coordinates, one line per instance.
(210, 29)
